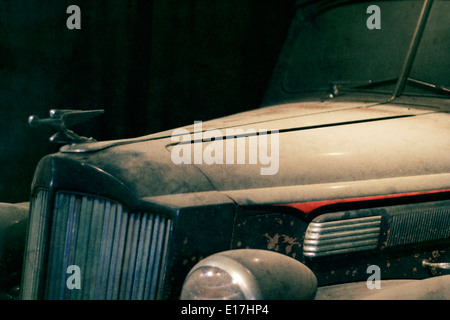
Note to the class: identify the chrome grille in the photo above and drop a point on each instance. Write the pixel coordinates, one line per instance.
(121, 254)
(336, 235)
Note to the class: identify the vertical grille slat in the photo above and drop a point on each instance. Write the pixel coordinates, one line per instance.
(83, 242)
(35, 245)
(160, 222)
(116, 250)
(130, 250)
(106, 249)
(117, 253)
(141, 263)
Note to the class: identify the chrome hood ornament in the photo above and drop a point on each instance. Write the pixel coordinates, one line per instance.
(62, 119)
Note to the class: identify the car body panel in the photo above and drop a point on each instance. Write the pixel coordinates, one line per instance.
(321, 143)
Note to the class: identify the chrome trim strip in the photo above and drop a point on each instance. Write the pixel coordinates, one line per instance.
(341, 236)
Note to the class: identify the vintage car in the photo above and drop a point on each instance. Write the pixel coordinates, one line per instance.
(338, 187)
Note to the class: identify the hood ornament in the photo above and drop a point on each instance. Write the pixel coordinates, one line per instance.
(62, 119)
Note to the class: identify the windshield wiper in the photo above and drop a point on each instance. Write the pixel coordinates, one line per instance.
(417, 36)
(337, 86)
(434, 87)
(404, 78)
(418, 83)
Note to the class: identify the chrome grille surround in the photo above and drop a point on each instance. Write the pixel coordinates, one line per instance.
(337, 236)
(121, 254)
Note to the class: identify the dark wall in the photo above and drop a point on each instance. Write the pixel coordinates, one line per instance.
(152, 65)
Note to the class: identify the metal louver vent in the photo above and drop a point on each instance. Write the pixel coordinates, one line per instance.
(419, 222)
(357, 230)
(121, 255)
(331, 235)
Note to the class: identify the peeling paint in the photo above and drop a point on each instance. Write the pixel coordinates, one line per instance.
(272, 242)
(280, 241)
(291, 242)
(435, 254)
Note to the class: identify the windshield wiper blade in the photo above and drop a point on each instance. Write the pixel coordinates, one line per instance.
(418, 83)
(434, 87)
(337, 86)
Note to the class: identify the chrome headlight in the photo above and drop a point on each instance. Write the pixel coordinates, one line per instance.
(249, 274)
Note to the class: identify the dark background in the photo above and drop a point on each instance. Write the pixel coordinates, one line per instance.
(151, 64)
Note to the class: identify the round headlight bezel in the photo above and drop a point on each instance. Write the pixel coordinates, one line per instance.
(239, 275)
(260, 275)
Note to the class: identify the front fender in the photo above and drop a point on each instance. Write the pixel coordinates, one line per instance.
(13, 228)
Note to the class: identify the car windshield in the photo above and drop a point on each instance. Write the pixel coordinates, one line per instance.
(354, 43)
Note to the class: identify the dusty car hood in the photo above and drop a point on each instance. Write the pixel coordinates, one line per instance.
(320, 142)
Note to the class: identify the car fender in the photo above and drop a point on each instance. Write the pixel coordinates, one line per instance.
(13, 227)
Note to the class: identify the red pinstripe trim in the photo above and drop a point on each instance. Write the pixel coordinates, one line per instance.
(308, 207)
